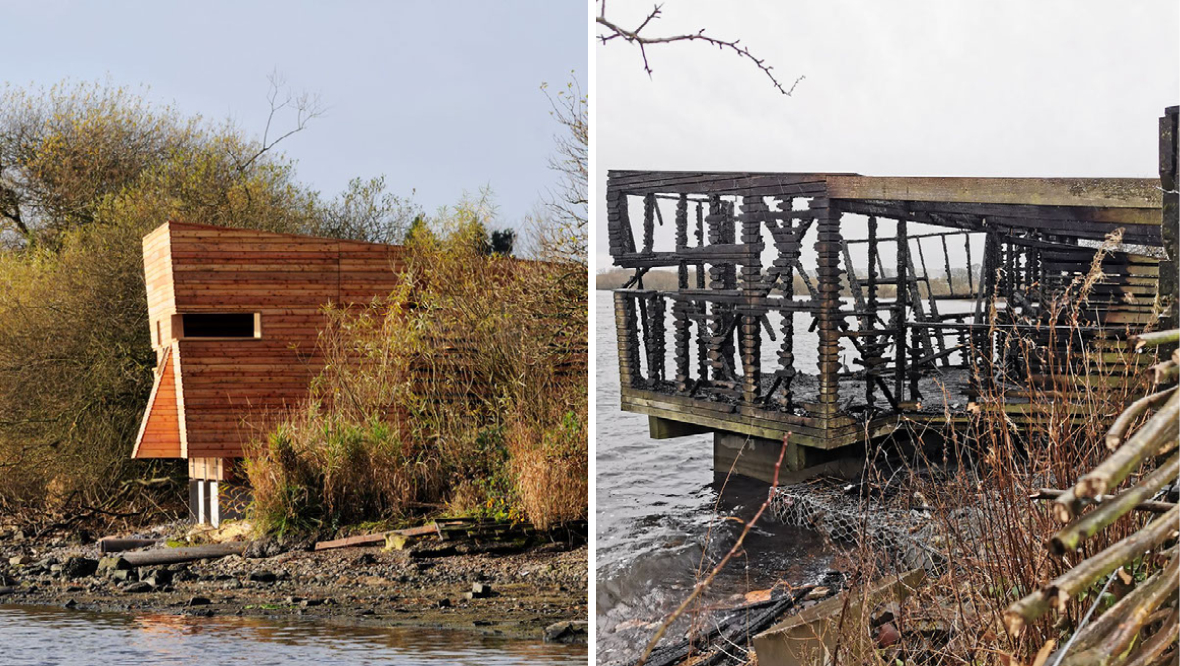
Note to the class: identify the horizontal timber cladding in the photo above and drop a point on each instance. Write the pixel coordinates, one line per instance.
(159, 434)
(745, 247)
(225, 390)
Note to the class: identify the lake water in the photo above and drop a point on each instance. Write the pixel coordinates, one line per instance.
(658, 513)
(56, 636)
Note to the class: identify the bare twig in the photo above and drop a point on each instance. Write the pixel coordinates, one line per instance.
(307, 107)
(615, 31)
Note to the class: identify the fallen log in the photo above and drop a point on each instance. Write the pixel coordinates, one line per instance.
(1060, 590)
(1146, 442)
(187, 554)
(1120, 635)
(1071, 536)
(1092, 635)
(118, 544)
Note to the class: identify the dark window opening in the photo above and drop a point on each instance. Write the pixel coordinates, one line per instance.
(230, 325)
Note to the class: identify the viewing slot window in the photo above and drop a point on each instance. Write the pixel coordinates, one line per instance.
(220, 325)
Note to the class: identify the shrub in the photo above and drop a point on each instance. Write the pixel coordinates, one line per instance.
(463, 392)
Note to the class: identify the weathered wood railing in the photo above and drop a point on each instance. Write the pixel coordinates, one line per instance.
(744, 247)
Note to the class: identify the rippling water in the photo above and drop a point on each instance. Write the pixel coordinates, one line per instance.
(53, 636)
(656, 504)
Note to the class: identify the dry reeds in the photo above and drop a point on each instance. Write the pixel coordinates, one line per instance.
(463, 393)
(991, 536)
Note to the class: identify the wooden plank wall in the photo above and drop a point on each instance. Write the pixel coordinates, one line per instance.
(287, 279)
(157, 264)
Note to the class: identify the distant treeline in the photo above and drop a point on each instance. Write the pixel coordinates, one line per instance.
(665, 279)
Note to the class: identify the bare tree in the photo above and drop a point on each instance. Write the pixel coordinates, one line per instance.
(614, 31)
(307, 107)
(560, 225)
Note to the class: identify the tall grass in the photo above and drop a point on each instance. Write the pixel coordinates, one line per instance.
(989, 533)
(464, 392)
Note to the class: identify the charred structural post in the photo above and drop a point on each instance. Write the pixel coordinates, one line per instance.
(681, 309)
(827, 248)
(899, 307)
(627, 325)
(653, 337)
(872, 355)
(700, 309)
(721, 336)
(754, 209)
(788, 241)
(1169, 141)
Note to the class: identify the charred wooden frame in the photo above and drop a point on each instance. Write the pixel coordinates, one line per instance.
(751, 234)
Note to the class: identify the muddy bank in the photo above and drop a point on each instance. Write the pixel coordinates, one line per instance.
(540, 593)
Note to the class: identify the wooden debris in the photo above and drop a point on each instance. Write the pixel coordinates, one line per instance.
(119, 544)
(184, 554)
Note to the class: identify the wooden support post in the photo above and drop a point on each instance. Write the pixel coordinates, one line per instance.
(827, 247)
(970, 268)
(873, 357)
(754, 210)
(681, 309)
(649, 222)
(946, 257)
(720, 348)
(627, 327)
(682, 239)
(788, 241)
(1169, 145)
(654, 339)
(681, 339)
(899, 310)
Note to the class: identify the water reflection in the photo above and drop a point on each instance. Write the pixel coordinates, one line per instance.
(53, 636)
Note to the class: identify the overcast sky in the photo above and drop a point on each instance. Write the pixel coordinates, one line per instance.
(438, 97)
(903, 88)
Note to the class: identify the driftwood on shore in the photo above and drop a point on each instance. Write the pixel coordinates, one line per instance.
(187, 554)
(450, 530)
(118, 545)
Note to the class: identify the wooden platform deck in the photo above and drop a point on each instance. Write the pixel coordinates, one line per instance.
(743, 244)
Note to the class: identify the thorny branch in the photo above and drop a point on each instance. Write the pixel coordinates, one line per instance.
(615, 31)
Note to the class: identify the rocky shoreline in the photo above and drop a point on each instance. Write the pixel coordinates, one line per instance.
(540, 593)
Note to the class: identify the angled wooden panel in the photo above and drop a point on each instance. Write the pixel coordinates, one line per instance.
(160, 432)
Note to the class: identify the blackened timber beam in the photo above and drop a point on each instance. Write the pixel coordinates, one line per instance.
(1140, 225)
(1094, 192)
(936, 234)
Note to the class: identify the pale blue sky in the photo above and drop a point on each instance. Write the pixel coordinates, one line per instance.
(439, 97)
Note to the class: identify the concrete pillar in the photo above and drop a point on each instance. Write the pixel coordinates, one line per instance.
(661, 428)
(202, 501)
(194, 499)
(759, 455)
